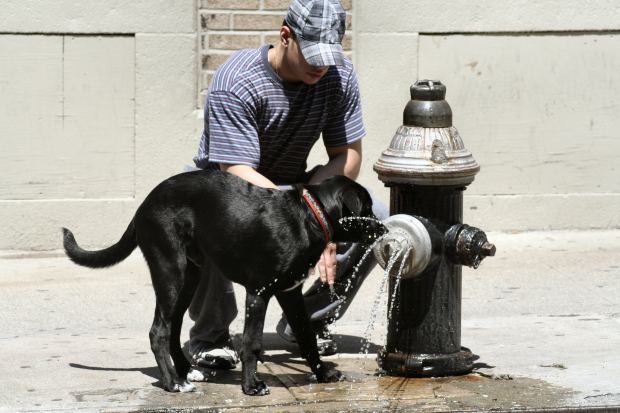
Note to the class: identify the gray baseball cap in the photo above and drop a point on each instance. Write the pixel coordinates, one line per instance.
(319, 26)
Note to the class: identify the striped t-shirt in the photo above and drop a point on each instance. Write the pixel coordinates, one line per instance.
(254, 118)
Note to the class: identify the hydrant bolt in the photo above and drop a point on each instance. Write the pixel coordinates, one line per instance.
(488, 249)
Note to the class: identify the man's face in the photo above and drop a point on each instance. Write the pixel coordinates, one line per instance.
(300, 69)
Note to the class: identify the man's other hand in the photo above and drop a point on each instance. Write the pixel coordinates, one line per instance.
(327, 264)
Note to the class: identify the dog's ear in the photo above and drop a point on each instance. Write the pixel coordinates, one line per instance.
(351, 203)
(340, 197)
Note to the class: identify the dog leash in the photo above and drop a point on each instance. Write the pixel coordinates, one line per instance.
(319, 214)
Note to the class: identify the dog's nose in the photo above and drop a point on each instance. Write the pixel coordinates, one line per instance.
(382, 229)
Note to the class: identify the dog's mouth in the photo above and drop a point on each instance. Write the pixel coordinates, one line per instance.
(363, 229)
(374, 232)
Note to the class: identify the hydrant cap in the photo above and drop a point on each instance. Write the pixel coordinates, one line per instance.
(428, 107)
(428, 90)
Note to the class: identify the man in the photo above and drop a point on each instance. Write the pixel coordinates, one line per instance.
(264, 111)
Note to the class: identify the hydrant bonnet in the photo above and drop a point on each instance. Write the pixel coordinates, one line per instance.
(427, 149)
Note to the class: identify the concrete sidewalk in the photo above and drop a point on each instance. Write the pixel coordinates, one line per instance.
(543, 315)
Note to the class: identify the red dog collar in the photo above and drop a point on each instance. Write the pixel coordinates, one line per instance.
(319, 214)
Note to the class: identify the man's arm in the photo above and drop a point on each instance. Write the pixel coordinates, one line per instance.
(249, 174)
(343, 160)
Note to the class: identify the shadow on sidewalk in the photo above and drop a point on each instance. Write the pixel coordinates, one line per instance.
(346, 344)
(147, 371)
(286, 354)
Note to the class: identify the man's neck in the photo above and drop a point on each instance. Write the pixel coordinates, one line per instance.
(276, 59)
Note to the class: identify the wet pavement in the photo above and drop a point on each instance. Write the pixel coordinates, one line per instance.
(543, 316)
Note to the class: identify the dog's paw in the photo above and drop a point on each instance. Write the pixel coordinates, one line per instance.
(182, 387)
(327, 375)
(258, 389)
(186, 387)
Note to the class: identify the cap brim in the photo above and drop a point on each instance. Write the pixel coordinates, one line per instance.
(322, 54)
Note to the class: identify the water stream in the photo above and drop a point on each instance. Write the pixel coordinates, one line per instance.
(366, 339)
(398, 276)
(398, 255)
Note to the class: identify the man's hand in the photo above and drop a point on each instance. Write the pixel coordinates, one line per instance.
(327, 264)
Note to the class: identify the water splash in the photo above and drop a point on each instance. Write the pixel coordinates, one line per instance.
(357, 266)
(399, 277)
(349, 283)
(351, 278)
(261, 290)
(363, 224)
(373, 314)
(349, 220)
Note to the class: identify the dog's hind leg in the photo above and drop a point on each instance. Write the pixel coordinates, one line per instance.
(168, 274)
(192, 276)
(160, 339)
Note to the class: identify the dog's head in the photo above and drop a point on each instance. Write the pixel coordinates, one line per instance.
(349, 208)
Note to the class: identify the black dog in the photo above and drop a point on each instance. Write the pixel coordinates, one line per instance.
(263, 239)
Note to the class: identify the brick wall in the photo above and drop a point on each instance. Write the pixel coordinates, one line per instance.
(229, 25)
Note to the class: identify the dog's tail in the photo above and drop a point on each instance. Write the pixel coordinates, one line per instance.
(102, 258)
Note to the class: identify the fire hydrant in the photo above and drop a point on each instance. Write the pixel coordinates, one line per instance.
(427, 168)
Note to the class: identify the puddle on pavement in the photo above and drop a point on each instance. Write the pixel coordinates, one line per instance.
(293, 389)
(364, 390)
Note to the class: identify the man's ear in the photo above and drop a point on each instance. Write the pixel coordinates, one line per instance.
(285, 35)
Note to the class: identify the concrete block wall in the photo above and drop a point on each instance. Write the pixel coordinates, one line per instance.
(97, 105)
(230, 25)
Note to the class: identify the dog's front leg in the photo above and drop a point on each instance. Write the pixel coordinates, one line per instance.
(292, 303)
(255, 309)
